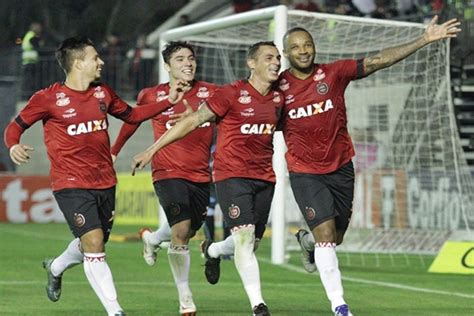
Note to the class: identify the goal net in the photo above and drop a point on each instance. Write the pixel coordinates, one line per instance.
(413, 188)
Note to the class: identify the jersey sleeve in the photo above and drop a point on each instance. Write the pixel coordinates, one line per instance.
(219, 102)
(128, 129)
(350, 69)
(35, 110)
(121, 110)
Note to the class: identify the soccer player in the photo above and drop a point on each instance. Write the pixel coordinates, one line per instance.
(320, 149)
(181, 175)
(74, 116)
(247, 112)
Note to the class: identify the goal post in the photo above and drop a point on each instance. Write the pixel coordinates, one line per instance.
(413, 187)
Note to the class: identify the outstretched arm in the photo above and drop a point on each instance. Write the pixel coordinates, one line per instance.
(434, 32)
(181, 129)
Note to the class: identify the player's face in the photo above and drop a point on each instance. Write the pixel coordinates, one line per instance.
(267, 64)
(91, 64)
(300, 51)
(182, 65)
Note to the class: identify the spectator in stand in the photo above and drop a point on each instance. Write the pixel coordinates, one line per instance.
(141, 60)
(112, 53)
(242, 5)
(308, 5)
(366, 7)
(30, 46)
(184, 19)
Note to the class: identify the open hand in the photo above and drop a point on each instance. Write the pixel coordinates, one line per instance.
(435, 32)
(175, 118)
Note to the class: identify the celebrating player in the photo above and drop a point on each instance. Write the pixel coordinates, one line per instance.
(246, 112)
(181, 173)
(74, 115)
(320, 148)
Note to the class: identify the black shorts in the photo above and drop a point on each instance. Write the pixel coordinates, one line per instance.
(86, 209)
(324, 196)
(245, 201)
(182, 200)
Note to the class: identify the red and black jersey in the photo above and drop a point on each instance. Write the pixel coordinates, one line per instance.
(245, 126)
(314, 121)
(187, 158)
(75, 132)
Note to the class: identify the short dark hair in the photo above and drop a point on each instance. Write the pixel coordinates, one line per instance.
(70, 49)
(294, 30)
(173, 47)
(252, 51)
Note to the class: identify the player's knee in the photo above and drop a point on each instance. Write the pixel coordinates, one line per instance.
(93, 241)
(325, 233)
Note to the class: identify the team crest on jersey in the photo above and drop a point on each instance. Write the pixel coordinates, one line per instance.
(161, 95)
(102, 107)
(284, 85)
(62, 99)
(289, 99)
(70, 113)
(276, 97)
(174, 209)
(248, 112)
(310, 213)
(245, 97)
(99, 93)
(322, 88)
(234, 211)
(202, 93)
(320, 75)
(79, 220)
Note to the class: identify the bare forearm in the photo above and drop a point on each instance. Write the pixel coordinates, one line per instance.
(390, 56)
(180, 130)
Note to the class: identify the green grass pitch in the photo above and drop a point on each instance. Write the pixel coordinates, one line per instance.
(373, 285)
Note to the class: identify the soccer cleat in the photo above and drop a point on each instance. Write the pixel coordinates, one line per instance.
(187, 307)
(53, 288)
(342, 310)
(149, 251)
(261, 310)
(307, 256)
(213, 267)
(120, 313)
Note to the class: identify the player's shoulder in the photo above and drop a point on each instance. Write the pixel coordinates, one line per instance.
(51, 92)
(340, 63)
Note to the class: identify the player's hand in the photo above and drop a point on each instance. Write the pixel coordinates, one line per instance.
(177, 90)
(19, 153)
(175, 118)
(141, 160)
(114, 158)
(435, 32)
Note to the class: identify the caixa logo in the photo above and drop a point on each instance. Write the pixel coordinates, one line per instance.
(87, 127)
(259, 129)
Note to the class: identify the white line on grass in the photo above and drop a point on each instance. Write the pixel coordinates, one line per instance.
(378, 283)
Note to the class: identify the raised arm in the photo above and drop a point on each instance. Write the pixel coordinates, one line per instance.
(389, 56)
(180, 130)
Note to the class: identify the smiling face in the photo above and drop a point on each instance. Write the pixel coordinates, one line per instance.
(91, 64)
(300, 51)
(182, 65)
(266, 64)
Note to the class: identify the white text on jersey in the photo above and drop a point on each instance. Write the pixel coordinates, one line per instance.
(264, 129)
(310, 110)
(87, 127)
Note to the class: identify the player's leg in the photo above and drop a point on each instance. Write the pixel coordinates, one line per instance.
(96, 268)
(153, 240)
(236, 197)
(316, 203)
(185, 204)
